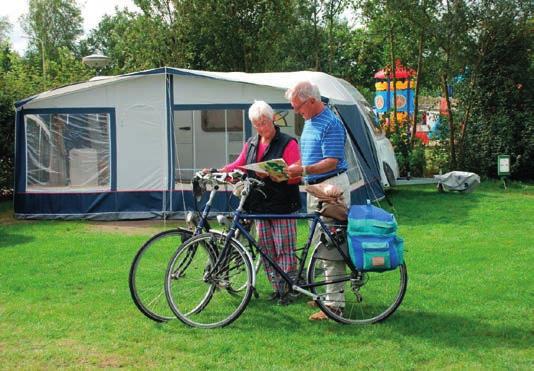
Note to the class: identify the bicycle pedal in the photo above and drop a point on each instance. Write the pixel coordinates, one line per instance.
(222, 285)
(177, 275)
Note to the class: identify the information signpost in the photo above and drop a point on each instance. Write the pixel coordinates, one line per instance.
(503, 167)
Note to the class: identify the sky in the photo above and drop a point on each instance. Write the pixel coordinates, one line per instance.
(92, 12)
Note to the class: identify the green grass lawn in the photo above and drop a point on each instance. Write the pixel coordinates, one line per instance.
(64, 298)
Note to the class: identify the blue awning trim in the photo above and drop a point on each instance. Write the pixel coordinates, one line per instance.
(113, 149)
(167, 70)
(129, 205)
(20, 152)
(22, 102)
(196, 107)
(72, 110)
(171, 149)
(87, 203)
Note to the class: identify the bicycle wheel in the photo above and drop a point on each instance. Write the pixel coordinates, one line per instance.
(198, 294)
(256, 264)
(147, 274)
(361, 297)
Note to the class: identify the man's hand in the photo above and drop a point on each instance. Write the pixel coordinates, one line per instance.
(294, 170)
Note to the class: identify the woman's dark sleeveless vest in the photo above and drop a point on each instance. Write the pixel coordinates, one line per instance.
(282, 198)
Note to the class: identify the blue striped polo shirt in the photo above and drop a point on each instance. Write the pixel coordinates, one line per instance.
(323, 136)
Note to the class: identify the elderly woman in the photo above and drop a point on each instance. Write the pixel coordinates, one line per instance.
(276, 237)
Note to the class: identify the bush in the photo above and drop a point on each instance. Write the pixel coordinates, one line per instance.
(437, 159)
(7, 135)
(417, 159)
(503, 109)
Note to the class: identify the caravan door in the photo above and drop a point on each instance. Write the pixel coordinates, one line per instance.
(183, 139)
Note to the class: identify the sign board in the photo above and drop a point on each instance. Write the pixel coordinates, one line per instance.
(503, 165)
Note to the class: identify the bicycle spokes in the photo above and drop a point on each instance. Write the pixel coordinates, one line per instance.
(356, 297)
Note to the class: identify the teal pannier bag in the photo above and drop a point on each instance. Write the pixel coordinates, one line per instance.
(373, 243)
(369, 220)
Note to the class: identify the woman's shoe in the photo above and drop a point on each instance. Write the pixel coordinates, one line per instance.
(312, 303)
(283, 301)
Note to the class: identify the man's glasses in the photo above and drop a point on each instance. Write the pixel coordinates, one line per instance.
(297, 108)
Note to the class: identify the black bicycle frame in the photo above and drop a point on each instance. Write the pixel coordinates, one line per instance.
(315, 219)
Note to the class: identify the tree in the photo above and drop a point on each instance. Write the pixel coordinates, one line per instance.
(5, 28)
(18, 80)
(131, 41)
(250, 40)
(52, 24)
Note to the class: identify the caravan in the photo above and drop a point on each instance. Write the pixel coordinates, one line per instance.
(126, 147)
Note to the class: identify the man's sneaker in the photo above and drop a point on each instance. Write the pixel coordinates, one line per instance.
(273, 296)
(319, 316)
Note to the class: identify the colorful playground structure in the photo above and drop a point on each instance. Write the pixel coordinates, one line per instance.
(428, 128)
(384, 97)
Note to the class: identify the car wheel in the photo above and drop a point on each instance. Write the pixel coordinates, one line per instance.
(389, 175)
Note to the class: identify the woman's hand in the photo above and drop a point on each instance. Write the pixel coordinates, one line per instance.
(207, 170)
(261, 174)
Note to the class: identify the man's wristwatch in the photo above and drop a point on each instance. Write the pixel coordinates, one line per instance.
(304, 172)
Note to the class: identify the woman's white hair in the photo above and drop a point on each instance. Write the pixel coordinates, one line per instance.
(303, 90)
(258, 109)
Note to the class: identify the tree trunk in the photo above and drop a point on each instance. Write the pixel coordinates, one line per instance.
(330, 47)
(465, 121)
(417, 82)
(463, 128)
(393, 71)
(316, 36)
(451, 122)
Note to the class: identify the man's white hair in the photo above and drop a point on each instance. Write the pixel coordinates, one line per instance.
(303, 90)
(258, 109)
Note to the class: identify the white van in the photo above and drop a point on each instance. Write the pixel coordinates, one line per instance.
(389, 168)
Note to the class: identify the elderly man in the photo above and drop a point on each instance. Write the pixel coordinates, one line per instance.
(322, 146)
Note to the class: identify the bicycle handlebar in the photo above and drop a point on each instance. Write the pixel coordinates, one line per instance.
(213, 177)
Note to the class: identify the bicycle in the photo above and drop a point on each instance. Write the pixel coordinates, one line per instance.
(148, 266)
(196, 282)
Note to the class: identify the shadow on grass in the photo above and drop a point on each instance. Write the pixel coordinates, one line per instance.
(459, 331)
(422, 205)
(446, 330)
(11, 240)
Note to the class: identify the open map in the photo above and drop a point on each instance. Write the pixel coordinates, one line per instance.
(275, 168)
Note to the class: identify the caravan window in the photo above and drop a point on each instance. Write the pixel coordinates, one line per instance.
(201, 140)
(222, 120)
(67, 152)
